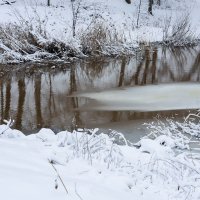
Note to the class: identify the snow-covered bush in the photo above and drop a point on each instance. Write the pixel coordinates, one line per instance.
(18, 39)
(103, 39)
(175, 134)
(179, 33)
(92, 146)
(96, 37)
(168, 133)
(22, 43)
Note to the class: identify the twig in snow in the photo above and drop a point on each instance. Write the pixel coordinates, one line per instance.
(78, 193)
(9, 124)
(51, 163)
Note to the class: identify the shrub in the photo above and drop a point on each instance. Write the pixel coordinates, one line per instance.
(178, 34)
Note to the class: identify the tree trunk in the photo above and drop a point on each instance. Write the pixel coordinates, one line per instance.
(48, 2)
(138, 16)
(128, 1)
(159, 2)
(150, 7)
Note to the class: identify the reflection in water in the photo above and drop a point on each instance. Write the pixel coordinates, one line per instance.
(8, 96)
(2, 100)
(153, 66)
(122, 72)
(21, 100)
(43, 99)
(37, 94)
(74, 100)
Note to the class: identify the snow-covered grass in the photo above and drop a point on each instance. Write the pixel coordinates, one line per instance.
(180, 33)
(30, 30)
(176, 134)
(86, 164)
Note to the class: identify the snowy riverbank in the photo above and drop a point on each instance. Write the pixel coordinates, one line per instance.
(85, 166)
(31, 31)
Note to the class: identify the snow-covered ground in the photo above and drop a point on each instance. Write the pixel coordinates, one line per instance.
(57, 18)
(91, 166)
(119, 20)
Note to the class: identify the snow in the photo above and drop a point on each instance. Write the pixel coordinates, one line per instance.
(154, 147)
(42, 165)
(119, 19)
(86, 164)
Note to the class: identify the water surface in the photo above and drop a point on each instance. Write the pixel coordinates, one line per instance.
(40, 95)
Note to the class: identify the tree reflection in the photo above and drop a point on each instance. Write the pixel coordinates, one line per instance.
(37, 94)
(8, 99)
(172, 65)
(147, 62)
(2, 101)
(195, 69)
(21, 101)
(137, 74)
(154, 65)
(146, 69)
(76, 120)
(122, 72)
(116, 116)
(93, 68)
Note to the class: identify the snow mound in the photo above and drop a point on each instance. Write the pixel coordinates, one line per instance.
(86, 163)
(154, 147)
(7, 132)
(46, 135)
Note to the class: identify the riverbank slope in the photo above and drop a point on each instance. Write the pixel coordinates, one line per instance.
(31, 30)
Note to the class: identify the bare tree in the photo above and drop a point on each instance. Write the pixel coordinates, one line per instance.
(75, 6)
(150, 7)
(138, 17)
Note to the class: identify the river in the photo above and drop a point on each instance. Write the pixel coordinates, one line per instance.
(55, 95)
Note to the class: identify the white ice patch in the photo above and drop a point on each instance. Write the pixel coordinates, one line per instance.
(147, 98)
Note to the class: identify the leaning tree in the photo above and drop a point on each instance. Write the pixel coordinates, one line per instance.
(128, 1)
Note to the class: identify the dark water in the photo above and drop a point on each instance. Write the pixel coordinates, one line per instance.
(39, 95)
